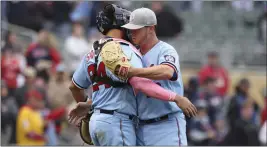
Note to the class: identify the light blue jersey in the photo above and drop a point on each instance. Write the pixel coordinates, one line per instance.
(149, 108)
(170, 131)
(105, 96)
(117, 127)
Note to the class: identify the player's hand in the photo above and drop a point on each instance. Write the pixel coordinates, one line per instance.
(188, 108)
(79, 112)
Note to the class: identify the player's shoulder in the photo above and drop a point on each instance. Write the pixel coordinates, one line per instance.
(166, 46)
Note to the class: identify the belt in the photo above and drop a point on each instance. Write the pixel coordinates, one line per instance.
(149, 121)
(111, 112)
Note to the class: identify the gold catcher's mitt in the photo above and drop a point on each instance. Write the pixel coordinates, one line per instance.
(84, 129)
(115, 60)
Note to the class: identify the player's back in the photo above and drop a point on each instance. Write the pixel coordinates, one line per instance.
(106, 96)
(161, 53)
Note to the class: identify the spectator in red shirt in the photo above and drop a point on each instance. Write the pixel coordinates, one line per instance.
(43, 49)
(12, 61)
(10, 69)
(215, 70)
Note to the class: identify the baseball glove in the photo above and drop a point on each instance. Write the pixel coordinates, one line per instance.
(84, 129)
(115, 60)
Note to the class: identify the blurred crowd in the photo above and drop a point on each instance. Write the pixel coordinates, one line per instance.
(35, 98)
(224, 120)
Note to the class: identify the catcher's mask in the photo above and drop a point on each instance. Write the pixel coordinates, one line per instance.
(112, 17)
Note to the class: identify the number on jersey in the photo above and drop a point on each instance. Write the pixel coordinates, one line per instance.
(101, 72)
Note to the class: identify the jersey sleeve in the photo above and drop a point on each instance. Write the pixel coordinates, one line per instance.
(170, 57)
(81, 76)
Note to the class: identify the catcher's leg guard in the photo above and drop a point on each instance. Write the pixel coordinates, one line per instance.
(112, 130)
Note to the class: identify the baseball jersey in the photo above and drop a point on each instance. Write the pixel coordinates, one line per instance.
(149, 108)
(105, 96)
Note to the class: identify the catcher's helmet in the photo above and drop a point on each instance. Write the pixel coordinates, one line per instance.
(112, 17)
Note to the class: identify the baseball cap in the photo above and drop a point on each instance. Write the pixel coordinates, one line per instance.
(140, 18)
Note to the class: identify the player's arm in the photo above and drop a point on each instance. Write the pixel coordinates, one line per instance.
(160, 72)
(77, 93)
(152, 89)
(166, 70)
(80, 81)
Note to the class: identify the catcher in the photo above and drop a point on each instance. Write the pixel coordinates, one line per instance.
(113, 100)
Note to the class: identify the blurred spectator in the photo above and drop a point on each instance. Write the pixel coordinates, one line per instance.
(29, 73)
(9, 112)
(10, 69)
(192, 89)
(43, 73)
(43, 49)
(264, 111)
(221, 130)
(240, 97)
(30, 125)
(11, 43)
(51, 116)
(43, 76)
(262, 134)
(58, 92)
(76, 47)
(164, 14)
(217, 71)
(243, 132)
(201, 132)
(210, 95)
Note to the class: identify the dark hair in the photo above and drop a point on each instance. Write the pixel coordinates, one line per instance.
(243, 81)
(44, 75)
